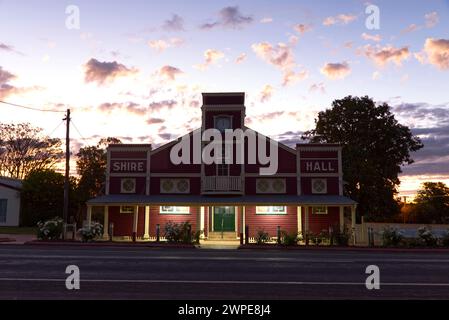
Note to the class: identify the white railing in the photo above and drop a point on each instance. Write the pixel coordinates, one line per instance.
(221, 184)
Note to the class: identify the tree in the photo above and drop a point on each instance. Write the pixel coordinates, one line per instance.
(23, 148)
(375, 146)
(432, 203)
(42, 196)
(91, 167)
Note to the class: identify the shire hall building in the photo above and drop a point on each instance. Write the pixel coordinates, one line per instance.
(225, 199)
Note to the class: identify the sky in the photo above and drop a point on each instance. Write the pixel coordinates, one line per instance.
(136, 69)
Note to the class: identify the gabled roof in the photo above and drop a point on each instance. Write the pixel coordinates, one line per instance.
(11, 183)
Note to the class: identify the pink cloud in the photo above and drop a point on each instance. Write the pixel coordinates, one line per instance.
(101, 72)
(336, 71)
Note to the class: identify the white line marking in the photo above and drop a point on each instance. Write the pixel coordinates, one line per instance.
(226, 258)
(399, 284)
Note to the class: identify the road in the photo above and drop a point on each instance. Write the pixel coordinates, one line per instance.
(36, 272)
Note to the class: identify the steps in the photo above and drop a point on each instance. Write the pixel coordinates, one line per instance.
(219, 236)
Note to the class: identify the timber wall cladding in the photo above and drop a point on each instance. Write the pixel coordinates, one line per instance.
(288, 222)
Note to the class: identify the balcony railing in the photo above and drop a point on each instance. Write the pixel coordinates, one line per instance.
(219, 184)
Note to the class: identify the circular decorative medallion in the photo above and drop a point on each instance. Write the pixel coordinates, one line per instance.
(319, 186)
(262, 185)
(167, 185)
(182, 185)
(129, 185)
(278, 185)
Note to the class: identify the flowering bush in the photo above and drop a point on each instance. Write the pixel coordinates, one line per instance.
(426, 237)
(179, 232)
(262, 237)
(50, 229)
(391, 237)
(92, 232)
(289, 239)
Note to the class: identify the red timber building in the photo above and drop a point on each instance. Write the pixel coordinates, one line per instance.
(144, 188)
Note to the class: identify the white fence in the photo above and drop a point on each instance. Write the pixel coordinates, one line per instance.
(407, 229)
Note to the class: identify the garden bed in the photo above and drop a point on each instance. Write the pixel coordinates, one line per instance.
(112, 244)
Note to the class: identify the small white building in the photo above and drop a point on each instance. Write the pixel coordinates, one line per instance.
(10, 202)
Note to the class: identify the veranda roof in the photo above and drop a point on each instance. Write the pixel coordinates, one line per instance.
(210, 200)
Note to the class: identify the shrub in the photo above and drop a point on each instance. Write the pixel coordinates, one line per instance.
(92, 232)
(50, 229)
(341, 238)
(180, 232)
(426, 237)
(289, 239)
(445, 239)
(391, 237)
(262, 236)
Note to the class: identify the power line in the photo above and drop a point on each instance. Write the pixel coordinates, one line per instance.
(30, 108)
(53, 131)
(74, 125)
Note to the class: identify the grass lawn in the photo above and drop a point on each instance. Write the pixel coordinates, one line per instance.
(18, 230)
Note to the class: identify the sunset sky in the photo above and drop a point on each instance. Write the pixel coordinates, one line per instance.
(136, 69)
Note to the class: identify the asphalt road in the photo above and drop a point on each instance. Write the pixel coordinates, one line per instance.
(31, 272)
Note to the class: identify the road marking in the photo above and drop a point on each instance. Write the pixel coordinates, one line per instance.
(227, 258)
(161, 281)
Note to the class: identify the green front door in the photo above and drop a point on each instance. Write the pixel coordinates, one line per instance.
(224, 219)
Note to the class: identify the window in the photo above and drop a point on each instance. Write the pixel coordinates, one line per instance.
(271, 210)
(3, 206)
(126, 209)
(319, 210)
(174, 210)
(222, 123)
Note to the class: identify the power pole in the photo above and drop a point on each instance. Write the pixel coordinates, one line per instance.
(67, 171)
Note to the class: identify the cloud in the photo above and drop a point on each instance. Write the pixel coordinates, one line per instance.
(266, 20)
(130, 107)
(318, 87)
(242, 57)
(155, 121)
(372, 37)
(5, 76)
(165, 104)
(411, 28)
(432, 19)
(384, 55)
(162, 45)
(435, 52)
(211, 56)
(169, 73)
(336, 71)
(101, 72)
(291, 77)
(431, 124)
(266, 93)
(340, 19)
(9, 48)
(423, 113)
(176, 23)
(6, 89)
(229, 17)
(281, 56)
(302, 28)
